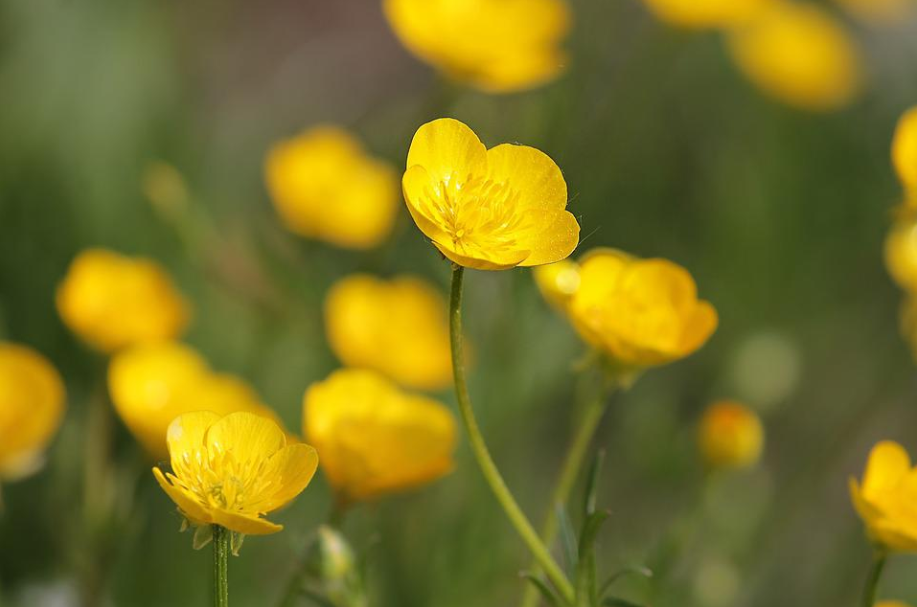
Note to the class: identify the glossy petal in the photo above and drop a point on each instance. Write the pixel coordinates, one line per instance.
(497, 261)
(448, 150)
(251, 437)
(533, 176)
(293, 468)
(246, 524)
(190, 506)
(186, 435)
(888, 463)
(904, 150)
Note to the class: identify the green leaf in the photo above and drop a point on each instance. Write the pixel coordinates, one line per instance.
(595, 470)
(203, 535)
(616, 602)
(567, 537)
(586, 591)
(546, 592)
(631, 570)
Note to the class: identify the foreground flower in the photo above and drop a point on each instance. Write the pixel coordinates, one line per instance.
(638, 312)
(487, 209)
(373, 438)
(730, 436)
(152, 384)
(498, 46)
(231, 470)
(707, 13)
(112, 301)
(31, 409)
(398, 327)
(799, 54)
(885, 499)
(904, 153)
(325, 186)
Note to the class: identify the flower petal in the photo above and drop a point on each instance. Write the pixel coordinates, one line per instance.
(447, 148)
(699, 327)
(193, 510)
(250, 437)
(241, 523)
(293, 468)
(555, 238)
(496, 261)
(888, 463)
(186, 434)
(420, 192)
(530, 173)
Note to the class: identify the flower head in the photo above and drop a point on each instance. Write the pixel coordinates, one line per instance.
(901, 252)
(325, 186)
(707, 13)
(487, 209)
(152, 384)
(885, 499)
(730, 435)
(112, 301)
(498, 46)
(904, 153)
(31, 408)
(558, 281)
(799, 54)
(232, 470)
(398, 327)
(373, 438)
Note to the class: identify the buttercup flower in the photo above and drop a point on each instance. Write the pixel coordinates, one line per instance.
(325, 186)
(799, 54)
(373, 438)
(152, 384)
(498, 46)
(487, 209)
(904, 152)
(891, 604)
(31, 409)
(112, 301)
(399, 327)
(639, 312)
(232, 470)
(901, 252)
(730, 435)
(707, 13)
(557, 281)
(885, 500)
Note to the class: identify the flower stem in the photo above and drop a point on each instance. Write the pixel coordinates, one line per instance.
(875, 574)
(481, 453)
(220, 566)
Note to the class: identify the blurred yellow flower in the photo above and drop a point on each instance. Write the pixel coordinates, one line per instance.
(498, 46)
(901, 252)
(399, 327)
(639, 312)
(31, 408)
(799, 54)
(373, 438)
(707, 13)
(891, 604)
(324, 185)
(557, 281)
(885, 11)
(885, 500)
(231, 470)
(112, 301)
(152, 384)
(730, 435)
(904, 152)
(487, 209)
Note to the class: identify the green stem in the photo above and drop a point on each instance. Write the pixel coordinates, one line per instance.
(481, 453)
(573, 463)
(872, 581)
(220, 566)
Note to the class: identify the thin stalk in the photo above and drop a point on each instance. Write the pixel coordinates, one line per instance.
(482, 454)
(220, 566)
(872, 580)
(97, 493)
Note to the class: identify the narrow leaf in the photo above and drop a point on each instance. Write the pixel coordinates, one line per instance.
(567, 537)
(586, 591)
(546, 592)
(632, 570)
(592, 482)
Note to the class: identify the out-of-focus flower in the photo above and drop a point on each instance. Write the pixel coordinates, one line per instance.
(112, 301)
(498, 46)
(557, 281)
(487, 209)
(152, 384)
(399, 327)
(730, 435)
(373, 438)
(879, 11)
(891, 604)
(324, 185)
(904, 153)
(885, 500)
(901, 252)
(707, 13)
(799, 54)
(231, 470)
(31, 408)
(639, 312)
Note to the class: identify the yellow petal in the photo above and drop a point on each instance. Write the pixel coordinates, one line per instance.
(193, 510)
(447, 149)
(555, 236)
(251, 438)
(186, 435)
(531, 173)
(243, 523)
(904, 149)
(418, 188)
(496, 260)
(888, 463)
(293, 468)
(700, 326)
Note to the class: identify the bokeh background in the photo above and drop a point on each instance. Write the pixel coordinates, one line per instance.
(667, 150)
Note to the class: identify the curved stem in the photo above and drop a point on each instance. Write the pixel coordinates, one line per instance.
(481, 453)
(872, 581)
(220, 566)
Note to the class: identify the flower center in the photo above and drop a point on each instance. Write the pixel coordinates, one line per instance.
(220, 480)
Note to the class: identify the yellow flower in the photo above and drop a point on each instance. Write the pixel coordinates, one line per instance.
(231, 470)
(398, 327)
(707, 13)
(487, 209)
(904, 152)
(498, 46)
(799, 54)
(885, 500)
(891, 604)
(152, 384)
(885, 11)
(639, 312)
(901, 252)
(325, 186)
(730, 435)
(31, 408)
(112, 301)
(373, 438)
(557, 281)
